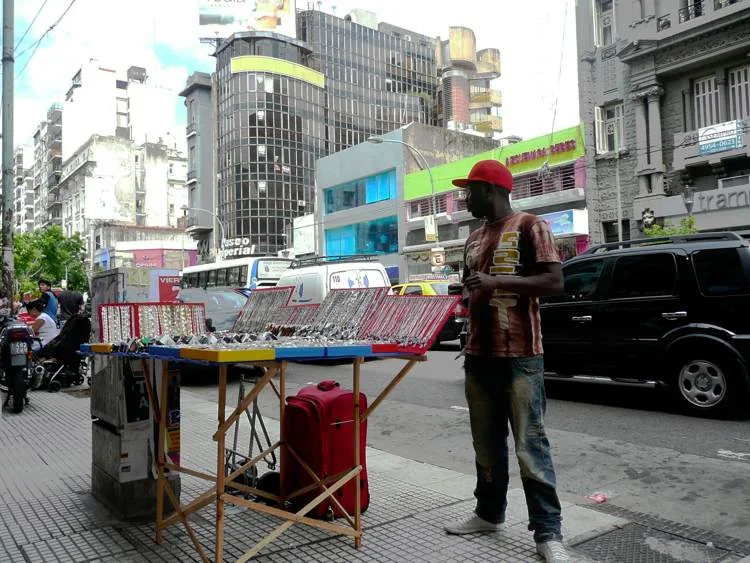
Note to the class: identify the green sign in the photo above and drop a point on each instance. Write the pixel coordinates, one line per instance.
(561, 147)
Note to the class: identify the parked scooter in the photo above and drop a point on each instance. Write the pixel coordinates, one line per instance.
(15, 360)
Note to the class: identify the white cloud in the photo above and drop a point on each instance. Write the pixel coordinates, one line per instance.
(123, 33)
(118, 34)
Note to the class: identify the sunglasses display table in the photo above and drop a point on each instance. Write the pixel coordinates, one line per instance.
(225, 487)
(351, 326)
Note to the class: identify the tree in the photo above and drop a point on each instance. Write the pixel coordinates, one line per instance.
(47, 253)
(686, 227)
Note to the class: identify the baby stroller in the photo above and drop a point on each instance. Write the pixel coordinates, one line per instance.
(58, 364)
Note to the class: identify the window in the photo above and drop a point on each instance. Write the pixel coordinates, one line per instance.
(604, 23)
(721, 272)
(648, 275)
(739, 93)
(581, 281)
(706, 101)
(413, 290)
(379, 236)
(379, 187)
(610, 132)
(610, 230)
(171, 208)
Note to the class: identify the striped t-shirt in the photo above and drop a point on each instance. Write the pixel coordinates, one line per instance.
(506, 324)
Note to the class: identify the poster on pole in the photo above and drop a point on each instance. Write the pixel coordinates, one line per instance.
(430, 228)
(222, 18)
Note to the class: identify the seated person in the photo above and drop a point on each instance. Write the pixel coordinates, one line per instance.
(44, 327)
(65, 346)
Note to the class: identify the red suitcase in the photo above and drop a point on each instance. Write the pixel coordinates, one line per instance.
(318, 426)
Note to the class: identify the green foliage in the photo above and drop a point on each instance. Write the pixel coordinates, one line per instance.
(686, 227)
(46, 253)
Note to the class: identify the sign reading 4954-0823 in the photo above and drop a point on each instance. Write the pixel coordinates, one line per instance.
(720, 137)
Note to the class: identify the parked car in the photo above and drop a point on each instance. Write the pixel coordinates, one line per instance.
(313, 278)
(452, 328)
(673, 310)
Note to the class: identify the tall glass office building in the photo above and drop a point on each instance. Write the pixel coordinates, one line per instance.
(271, 130)
(282, 103)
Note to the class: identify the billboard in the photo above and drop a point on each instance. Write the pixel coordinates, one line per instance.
(222, 18)
(720, 137)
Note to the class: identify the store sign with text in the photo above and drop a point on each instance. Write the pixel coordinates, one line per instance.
(236, 247)
(542, 152)
(720, 137)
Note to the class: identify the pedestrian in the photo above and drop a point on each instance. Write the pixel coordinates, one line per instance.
(70, 304)
(44, 327)
(510, 262)
(49, 299)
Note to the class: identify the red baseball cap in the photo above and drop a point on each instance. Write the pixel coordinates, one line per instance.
(490, 171)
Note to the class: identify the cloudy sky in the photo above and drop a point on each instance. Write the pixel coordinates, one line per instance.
(162, 36)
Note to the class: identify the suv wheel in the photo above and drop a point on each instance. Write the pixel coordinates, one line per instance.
(707, 386)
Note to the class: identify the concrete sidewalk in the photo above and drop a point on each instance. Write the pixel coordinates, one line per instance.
(48, 514)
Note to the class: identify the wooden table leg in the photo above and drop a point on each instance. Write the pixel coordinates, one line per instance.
(160, 456)
(282, 435)
(220, 469)
(357, 460)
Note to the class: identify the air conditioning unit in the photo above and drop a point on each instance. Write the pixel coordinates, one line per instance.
(734, 182)
(301, 202)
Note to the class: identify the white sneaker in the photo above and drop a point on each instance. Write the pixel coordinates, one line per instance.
(473, 525)
(552, 551)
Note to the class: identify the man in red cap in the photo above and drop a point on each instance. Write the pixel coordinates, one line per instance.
(510, 262)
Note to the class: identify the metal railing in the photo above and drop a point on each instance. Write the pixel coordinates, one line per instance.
(558, 180)
(692, 11)
(719, 4)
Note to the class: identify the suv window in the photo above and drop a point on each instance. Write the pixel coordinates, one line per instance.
(413, 290)
(721, 272)
(643, 276)
(581, 281)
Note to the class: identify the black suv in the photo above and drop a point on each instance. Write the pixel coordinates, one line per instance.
(674, 310)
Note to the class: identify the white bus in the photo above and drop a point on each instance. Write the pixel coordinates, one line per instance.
(223, 287)
(241, 273)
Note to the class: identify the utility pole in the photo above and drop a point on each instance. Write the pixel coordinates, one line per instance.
(7, 157)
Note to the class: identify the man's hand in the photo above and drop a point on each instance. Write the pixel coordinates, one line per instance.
(479, 281)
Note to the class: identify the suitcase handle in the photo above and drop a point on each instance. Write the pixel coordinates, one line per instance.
(328, 385)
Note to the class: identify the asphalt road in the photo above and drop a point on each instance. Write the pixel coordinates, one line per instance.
(626, 441)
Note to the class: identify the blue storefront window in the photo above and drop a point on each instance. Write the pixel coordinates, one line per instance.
(379, 187)
(379, 236)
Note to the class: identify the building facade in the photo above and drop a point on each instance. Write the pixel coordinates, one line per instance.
(549, 179)
(665, 100)
(104, 102)
(23, 190)
(47, 169)
(360, 200)
(201, 178)
(466, 99)
(109, 181)
(282, 103)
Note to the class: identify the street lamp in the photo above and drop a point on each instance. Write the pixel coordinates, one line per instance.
(688, 193)
(377, 140)
(216, 219)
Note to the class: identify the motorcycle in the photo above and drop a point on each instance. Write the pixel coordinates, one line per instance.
(15, 361)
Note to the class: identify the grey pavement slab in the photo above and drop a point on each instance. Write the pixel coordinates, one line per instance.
(48, 514)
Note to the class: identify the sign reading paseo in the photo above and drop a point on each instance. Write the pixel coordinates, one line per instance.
(240, 246)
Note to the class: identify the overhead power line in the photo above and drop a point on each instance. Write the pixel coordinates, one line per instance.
(38, 42)
(25, 33)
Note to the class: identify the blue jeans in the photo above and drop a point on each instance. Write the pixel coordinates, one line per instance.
(498, 391)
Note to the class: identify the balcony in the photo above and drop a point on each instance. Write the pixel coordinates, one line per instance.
(719, 4)
(691, 11)
(489, 123)
(192, 177)
(488, 98)
(664, 22)
(729, 140)
(191, 130)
